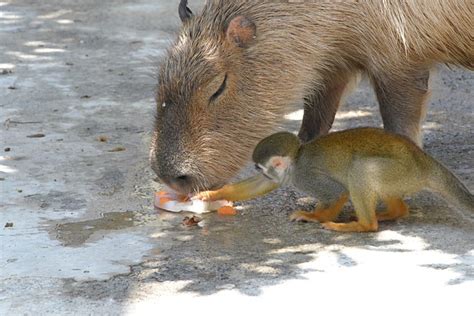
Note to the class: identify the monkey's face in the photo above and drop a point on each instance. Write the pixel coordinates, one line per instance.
(276, 168)
(274, 156)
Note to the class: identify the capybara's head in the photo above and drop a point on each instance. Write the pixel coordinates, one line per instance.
(212, 102)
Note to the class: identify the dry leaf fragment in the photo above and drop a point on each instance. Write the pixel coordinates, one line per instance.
(39, 135)
(191, 221)
(117, 149)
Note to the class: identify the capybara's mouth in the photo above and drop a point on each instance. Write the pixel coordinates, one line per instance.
(191, 189)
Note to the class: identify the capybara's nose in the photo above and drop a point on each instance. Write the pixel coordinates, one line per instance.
(184, 183)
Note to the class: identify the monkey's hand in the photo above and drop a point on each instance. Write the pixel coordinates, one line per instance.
(211, 195)
(244, 190)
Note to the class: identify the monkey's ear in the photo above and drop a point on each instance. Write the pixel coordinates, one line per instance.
(279, 162)
(184, 12)
(241, 31)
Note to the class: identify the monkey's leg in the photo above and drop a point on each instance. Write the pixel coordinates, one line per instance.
(322, 213)
(364, 203)
(402, 100)
(396, 208)
(321, 106)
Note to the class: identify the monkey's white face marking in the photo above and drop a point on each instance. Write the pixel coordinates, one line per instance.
(261, 167)
(264, 170)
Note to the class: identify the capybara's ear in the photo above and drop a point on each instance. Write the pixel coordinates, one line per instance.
(241, 31)
(184, 12)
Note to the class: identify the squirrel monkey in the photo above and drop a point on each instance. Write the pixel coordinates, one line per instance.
(363, 164)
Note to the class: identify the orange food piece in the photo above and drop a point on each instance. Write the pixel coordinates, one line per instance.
(162, 193)
(226, 210)
(164, 200)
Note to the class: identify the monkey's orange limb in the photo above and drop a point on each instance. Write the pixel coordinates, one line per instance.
(396, 208)
(364, 202)
(321, 214)
(244, 190)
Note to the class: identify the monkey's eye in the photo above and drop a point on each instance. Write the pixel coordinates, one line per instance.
(220, 90)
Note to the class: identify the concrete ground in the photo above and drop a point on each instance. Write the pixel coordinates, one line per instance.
(79, 234)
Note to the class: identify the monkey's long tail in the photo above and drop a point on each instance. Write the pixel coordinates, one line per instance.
(450, 187)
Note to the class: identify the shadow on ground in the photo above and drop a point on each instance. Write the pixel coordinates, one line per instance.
(260, 247)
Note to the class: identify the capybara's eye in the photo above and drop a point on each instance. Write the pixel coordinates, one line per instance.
(220, 90)
(164, 105)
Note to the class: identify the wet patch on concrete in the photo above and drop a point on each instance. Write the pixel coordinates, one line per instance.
(75, 234)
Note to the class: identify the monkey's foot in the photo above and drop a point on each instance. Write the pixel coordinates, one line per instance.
(351, 227)
(396, 208)
(321, 215)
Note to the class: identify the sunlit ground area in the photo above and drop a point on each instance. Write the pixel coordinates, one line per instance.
(78, 234)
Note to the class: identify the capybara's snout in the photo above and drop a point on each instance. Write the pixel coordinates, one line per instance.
(180, 175)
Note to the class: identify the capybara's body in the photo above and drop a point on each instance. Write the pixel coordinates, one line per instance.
(239, 66)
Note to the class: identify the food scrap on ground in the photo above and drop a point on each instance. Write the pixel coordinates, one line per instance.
(102, 139)
(191, 221)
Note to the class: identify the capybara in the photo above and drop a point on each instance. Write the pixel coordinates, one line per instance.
(238, 67)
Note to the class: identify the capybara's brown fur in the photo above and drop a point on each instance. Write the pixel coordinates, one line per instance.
(239, 66)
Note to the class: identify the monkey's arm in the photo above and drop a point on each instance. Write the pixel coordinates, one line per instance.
(244, 190)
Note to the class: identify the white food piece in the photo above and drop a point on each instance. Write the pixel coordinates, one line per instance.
(195, 206)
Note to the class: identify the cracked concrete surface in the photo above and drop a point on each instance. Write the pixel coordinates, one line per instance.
(86, 240)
